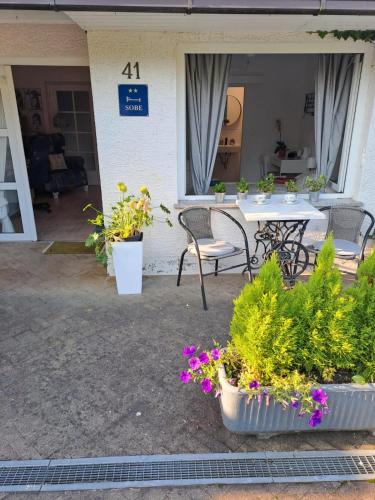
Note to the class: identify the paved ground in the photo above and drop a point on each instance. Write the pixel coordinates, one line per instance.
(78, 363)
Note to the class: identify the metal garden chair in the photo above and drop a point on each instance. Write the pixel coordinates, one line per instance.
(351, 227)
(201, 243)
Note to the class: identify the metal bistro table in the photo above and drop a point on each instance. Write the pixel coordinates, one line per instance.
(281, 227)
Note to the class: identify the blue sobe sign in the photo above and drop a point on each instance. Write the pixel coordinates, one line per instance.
(133, 100)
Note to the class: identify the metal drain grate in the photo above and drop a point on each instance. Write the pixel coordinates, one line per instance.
(185, 470)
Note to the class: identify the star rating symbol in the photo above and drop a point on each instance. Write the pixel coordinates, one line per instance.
(133, 90)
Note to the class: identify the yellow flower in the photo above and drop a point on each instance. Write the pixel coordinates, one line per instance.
(133, 204)
(144, 190)
(146, 206)
(140, 204)
(122, 187)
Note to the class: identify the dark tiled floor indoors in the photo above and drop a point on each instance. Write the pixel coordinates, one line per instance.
(85, 372)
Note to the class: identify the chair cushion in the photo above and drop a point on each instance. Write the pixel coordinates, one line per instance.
(57, 162)
(344, 248)
(212, 248)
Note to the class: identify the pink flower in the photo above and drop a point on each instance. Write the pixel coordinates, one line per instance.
(206, 385)
(316, 418)
(194, 363)
(254, 384)
(203, 358)
(215, 353)
(185, 377)
(320, 396)
(188, 351)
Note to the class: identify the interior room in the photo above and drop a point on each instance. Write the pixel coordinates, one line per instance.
(269, 123)
(58, 131)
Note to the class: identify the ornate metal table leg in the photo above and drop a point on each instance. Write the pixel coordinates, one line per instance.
(284, 238)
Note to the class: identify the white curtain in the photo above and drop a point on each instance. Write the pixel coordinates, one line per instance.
(332, 92)
(206, 89)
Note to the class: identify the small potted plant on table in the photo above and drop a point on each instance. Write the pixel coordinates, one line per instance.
(220, 190)
(292, 190)
(297, 359)
(120, 235)
(242, 189)
(315, 185)
(266, 185)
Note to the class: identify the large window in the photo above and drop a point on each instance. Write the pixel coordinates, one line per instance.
(274, 107)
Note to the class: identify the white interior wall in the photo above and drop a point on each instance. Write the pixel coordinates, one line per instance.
(278, 92)
(231, 132)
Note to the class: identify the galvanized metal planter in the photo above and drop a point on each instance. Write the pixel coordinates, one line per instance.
(352, 408)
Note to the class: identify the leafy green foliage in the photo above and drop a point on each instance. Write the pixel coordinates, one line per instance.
(322, 318)
(292, 339)
(291, 186)
(242, 185)
(129, 215)
(356, 35)
(363, 319)
(219, 188)
(315, 184)
(266, 185)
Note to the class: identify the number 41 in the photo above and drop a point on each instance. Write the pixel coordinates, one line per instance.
(128, 70)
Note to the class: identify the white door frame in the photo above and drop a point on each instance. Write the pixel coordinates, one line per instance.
(21, 184)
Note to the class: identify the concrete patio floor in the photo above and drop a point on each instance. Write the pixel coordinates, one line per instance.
(85, 372)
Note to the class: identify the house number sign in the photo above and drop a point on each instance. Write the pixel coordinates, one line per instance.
(131, 70)
(133, 99)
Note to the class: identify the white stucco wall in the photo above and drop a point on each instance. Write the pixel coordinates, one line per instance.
(55, 41)
(143, 150)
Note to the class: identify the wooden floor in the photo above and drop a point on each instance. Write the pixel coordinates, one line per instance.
(67, 221)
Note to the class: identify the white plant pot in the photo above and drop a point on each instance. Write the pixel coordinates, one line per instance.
(127, 262)
(241, 196)
(314, 196)
(219, 197)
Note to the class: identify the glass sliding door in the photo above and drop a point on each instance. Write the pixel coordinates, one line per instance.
(16, 212)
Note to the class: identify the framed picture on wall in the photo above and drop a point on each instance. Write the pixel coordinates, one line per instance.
(30, 106)
(29, 99)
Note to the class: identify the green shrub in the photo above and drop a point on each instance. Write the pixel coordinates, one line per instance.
(262, 333)
(284, 343)
(322, 316)
(363, 319)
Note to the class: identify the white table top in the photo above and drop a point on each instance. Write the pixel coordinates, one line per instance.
(277, 210)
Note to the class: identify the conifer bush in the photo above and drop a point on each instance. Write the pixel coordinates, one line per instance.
(284, 343)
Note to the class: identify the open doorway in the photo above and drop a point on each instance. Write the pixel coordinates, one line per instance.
(58, 132)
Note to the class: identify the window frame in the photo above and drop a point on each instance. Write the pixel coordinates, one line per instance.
(360, 114)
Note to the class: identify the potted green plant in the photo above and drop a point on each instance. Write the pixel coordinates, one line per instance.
(120, 234)
(297, 359)
(292, 190)
(266, 185)
(219, 189)
(315, 185)
(242, 189)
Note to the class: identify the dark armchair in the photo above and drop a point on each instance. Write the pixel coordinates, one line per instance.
(41, 176)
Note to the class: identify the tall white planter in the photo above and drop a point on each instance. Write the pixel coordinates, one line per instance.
(127, 262)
